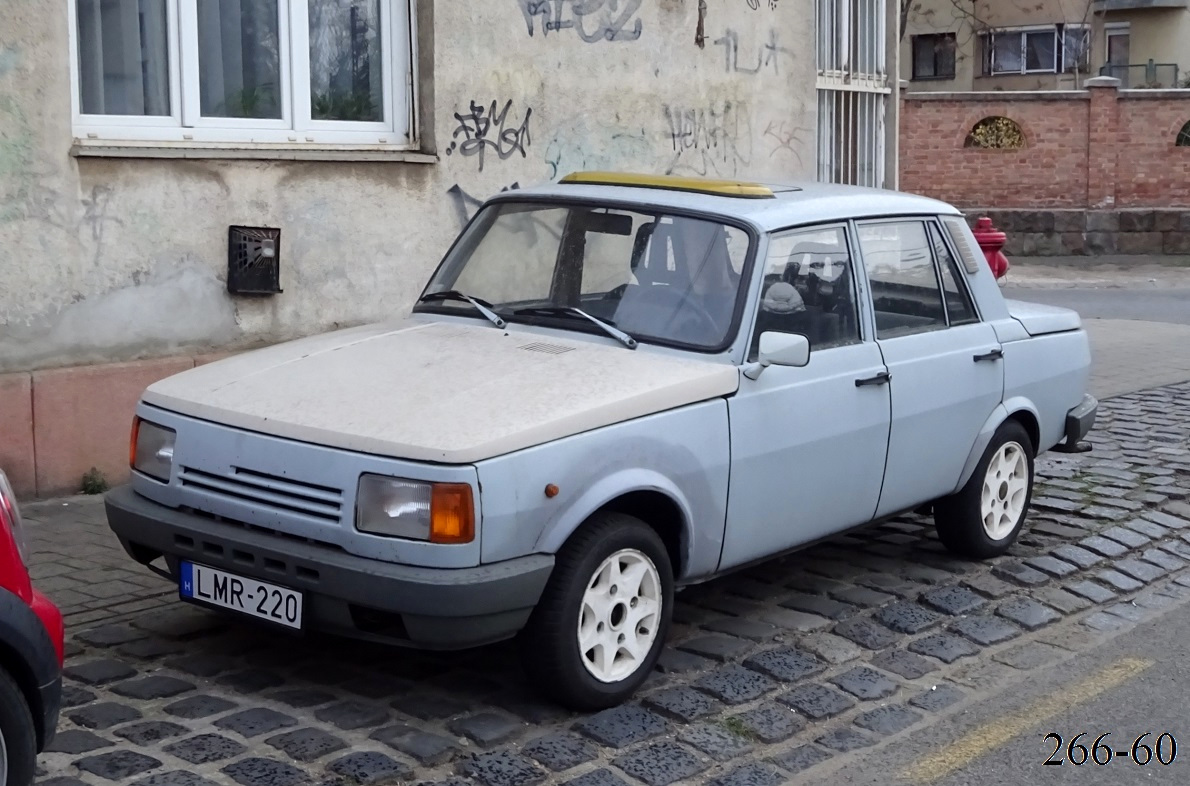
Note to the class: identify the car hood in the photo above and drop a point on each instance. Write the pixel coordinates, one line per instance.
(1040, 319)
(437, 391)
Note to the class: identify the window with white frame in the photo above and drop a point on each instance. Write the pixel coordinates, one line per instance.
(1049, 49)
(853, 90)
(243, 71)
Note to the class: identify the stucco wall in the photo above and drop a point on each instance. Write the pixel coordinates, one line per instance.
(112, 259)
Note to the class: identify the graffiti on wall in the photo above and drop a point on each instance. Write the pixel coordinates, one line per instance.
(574, 151)
(714, 139)
(767, 56)
(784, 137)
(482, 129)
(97, 216)
(755, 4)
(592, 20)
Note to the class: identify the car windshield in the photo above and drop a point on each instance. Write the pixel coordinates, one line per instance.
(658, 277)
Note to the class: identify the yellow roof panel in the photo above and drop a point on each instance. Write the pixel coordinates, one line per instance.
(732, 188)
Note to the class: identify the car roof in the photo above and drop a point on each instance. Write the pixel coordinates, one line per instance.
(792, 203)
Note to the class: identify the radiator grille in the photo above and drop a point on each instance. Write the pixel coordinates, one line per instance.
(268, 491)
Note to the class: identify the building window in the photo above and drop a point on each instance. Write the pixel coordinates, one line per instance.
(934, 56)
(1183, 139)
(243, 71)
(1076, 48)
(1036, 50)
(853, 90)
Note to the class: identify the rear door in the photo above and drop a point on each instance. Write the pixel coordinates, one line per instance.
(945, 365)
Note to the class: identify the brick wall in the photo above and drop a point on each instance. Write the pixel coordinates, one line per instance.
(1151, 172)
(1050, 171)
(1089, 149)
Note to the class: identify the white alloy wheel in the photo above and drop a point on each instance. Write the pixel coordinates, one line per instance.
(620, 616)
(1005, 489)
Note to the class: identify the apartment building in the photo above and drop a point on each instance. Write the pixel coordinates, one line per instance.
(976, 45)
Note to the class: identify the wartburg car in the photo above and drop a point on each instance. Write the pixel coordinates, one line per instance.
(611, 387)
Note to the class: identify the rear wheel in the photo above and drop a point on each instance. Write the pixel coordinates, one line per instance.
(18, 737)
(983, 518)
(601, 623)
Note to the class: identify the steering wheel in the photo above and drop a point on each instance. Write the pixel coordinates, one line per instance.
(682, 309)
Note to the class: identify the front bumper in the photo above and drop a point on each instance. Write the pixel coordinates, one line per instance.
(1078, 424)
(433, 608)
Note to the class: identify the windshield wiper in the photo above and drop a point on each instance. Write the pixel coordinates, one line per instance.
(571, 311)
(482, 306)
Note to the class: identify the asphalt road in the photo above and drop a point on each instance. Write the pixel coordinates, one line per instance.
(1135, 683)
(1139, 302)
(1147, 288)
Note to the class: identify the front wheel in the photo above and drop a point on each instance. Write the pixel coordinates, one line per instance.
(18, 738)
(984, 517)
(602, 620)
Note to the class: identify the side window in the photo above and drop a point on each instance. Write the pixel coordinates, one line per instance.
(809, 289)
(905, 291)
(958, 302)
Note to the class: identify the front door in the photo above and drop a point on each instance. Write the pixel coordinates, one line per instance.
(807, 444)
(945, 367)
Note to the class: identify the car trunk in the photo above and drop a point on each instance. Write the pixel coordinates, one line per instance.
(1040, 319)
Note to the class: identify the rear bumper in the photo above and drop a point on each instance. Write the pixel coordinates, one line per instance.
(431, 608)
(1079, 422)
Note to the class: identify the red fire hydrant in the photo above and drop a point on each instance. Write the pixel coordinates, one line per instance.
(991, 241)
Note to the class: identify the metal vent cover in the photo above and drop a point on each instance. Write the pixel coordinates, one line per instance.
(545, 348)
(253, 260)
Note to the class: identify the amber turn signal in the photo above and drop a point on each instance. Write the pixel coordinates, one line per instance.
(132, 442)
(452, 513)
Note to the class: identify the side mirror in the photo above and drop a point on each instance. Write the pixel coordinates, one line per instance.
(784, 349)
(779, 349)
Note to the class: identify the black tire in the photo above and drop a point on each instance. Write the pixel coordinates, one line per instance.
(959, 517)
(17, 733)
(549, 643)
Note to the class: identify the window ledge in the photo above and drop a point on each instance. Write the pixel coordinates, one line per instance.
(95, 148)
(1002, 95)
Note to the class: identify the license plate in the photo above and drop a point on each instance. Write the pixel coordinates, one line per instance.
(248, 596)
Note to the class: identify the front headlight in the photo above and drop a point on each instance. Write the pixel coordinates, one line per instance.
(434, 512)
(152, 449)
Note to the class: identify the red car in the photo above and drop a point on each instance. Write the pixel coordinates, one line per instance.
(31, 637)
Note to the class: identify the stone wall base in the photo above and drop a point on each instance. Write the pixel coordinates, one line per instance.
(1062, 233)
(56, 424)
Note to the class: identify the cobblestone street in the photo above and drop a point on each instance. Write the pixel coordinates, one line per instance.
(771, 676)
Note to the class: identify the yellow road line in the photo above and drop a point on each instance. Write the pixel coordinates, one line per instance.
(992, 735)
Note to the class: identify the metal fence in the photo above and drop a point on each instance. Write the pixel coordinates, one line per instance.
(1152, 75)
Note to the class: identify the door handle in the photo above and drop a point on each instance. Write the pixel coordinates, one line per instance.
(995, 354)
(880, 379)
